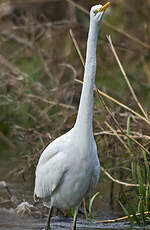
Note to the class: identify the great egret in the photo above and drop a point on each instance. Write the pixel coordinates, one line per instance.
(69, 166)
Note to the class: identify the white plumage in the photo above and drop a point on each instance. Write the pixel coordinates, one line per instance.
(64, 173)
(69, 167)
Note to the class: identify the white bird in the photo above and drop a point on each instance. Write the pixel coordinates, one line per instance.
(69, 166)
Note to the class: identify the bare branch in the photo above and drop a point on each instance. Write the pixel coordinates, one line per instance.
(118, 181)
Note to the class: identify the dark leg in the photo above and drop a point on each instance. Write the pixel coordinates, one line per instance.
(75, 219)
(47, 227)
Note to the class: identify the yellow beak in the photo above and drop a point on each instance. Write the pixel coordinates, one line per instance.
(102, 8)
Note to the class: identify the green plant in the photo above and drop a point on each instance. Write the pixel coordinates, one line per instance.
(139, 214)
(128, 131)
(72, 212)
(129, 211)
(91, 204)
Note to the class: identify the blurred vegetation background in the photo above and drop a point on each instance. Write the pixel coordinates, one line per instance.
(39, 94)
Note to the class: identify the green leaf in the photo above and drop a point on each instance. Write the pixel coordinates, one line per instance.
(72, 212)
(147, 181)
(91, 203)
(131, 209)
(133, 170)
(128, 131)
(142, 190)
(126, 213)
(147, 166)
(143, 215)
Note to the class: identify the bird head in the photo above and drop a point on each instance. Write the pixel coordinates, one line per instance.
(97, 11)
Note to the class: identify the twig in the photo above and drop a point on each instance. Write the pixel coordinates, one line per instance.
(119, 219)
(131, 37)
(117, 123)
(117, 102)
(71, 68)
(78, 6)
(15, 38)
(7, 141)
(122, 105)
(125, 76)
(118, 181)
(76, 46)
(52, 102)
(9, 66)
(138, 115)
(146, 70)
(134, 134)
(116, 134)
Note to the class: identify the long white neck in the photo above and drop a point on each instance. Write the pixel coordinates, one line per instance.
(85, 112)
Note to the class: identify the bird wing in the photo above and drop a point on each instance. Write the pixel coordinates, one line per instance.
(50, 171)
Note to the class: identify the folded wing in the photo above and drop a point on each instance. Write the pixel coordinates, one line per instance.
(50, 171)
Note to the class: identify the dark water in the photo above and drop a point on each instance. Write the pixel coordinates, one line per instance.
(9, 220)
